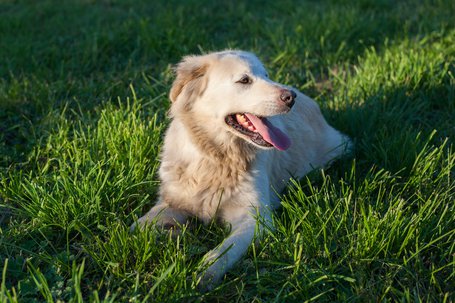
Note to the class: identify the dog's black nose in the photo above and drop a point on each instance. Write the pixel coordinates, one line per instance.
(288, 97)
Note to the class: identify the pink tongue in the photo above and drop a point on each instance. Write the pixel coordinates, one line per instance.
(270, 133)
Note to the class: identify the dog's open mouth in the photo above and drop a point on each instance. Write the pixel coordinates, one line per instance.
(259, 130)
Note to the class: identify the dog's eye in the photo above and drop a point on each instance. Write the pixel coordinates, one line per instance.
(245, 80)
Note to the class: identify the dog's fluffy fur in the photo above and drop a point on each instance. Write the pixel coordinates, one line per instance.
(213, 167)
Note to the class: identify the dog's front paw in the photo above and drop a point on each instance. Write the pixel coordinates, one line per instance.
(208, 279)
(164, 218)
(214, 268)
(141, 223)
(172, 228)
(133, 227)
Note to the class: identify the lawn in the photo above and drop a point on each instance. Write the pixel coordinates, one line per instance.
(83, 101)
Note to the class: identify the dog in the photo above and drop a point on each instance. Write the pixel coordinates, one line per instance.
(234, 141)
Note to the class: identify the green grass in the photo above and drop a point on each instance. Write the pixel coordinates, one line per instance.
(83, 101)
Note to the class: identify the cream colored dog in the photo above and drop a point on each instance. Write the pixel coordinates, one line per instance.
(235, 139)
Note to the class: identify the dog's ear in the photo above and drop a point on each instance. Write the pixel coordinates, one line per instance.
(190, 77)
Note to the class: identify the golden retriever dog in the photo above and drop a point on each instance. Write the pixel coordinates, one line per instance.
(235, 139)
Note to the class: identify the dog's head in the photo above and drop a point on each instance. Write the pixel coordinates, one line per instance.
(229, 93)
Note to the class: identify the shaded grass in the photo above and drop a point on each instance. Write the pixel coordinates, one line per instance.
(83, 90)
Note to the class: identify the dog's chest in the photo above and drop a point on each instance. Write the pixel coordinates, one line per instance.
(204, 187)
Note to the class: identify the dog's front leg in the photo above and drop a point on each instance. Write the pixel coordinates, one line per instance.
(231, 249)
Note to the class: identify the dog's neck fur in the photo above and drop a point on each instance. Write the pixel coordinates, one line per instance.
(225, 148)
(217, 168)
